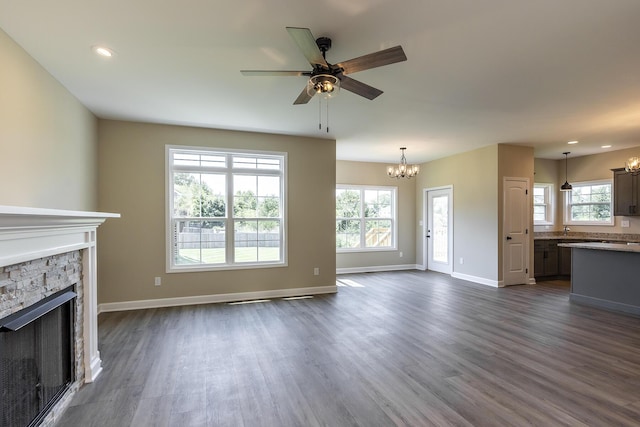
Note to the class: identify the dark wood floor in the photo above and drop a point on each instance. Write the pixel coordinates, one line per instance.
(407, 348)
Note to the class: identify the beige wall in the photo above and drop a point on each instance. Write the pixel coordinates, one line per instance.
(48, 139)
(132, 182)
(361, 173)
(475, 204)
(585, 168)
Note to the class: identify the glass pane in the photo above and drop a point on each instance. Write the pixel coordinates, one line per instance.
(257, 241)
(378, 234)
(268, 191)
(439, 234)
(268, 186)
(580, 213)
(251, 162)
(539, 213)
(194, 159)
(347, 203)
(377, 203)
(347, 233)
(200, 242)
(538, 195)
(245, 201)
(199, 195)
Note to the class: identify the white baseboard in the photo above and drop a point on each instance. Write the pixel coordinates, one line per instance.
(376, 268)
(476, 279)
(211, 299)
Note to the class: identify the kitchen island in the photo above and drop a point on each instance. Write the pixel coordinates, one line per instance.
(606, 275)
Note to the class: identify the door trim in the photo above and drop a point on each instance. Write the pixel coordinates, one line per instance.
(529, 235)
(425, 245)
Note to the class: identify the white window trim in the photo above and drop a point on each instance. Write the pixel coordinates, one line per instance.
(549, 202)
(567, 214)
(170, 266)
(394, 218)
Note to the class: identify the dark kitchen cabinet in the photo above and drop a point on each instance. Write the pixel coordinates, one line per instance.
(545, 258)
(626, 193)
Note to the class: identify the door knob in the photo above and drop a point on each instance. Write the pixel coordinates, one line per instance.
(509, 237)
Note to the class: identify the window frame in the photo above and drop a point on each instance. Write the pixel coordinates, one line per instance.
(363, 219)
(567, 204)
(229, 171)
(549, 203)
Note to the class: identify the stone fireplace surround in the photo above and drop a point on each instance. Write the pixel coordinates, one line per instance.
(42, 251)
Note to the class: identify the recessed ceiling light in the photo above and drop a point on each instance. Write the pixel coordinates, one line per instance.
(605, 146)
(103, 51)
(572, 142)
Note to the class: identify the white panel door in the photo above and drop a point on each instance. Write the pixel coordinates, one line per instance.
(516, 231)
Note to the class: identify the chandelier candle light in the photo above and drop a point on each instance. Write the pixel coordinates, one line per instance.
(633, 165)
(402, 170)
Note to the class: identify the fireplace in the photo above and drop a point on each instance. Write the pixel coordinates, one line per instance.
(48, 282)
(36, 358)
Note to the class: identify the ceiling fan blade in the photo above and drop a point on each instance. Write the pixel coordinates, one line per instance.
(274, 73)
(307, 44)
(373, 60)
(303, 98)
(359, 88)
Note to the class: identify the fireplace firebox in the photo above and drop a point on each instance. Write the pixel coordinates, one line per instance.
(36, 358)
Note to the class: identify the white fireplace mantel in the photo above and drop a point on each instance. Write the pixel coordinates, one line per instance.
(32, 233)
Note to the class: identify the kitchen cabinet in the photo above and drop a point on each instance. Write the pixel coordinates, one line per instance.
(626, 193)
(545, 258)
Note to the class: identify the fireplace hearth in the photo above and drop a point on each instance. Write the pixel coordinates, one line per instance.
(36, 359)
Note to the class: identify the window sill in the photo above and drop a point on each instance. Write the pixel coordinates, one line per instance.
(225, 267)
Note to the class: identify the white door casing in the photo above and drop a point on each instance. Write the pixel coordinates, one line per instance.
(438, 232)
(516, 237)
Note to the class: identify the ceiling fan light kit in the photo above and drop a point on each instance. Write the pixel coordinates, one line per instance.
(325, 85)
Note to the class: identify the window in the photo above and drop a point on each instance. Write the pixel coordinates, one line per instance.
(589, 203)
(365, 218)
(225, 209)
(542, 204)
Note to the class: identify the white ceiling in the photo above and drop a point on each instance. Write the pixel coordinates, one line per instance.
(479, 72)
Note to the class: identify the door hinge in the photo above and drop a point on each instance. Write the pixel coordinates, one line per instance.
(526, 231)
(526, 270)
(526, 192)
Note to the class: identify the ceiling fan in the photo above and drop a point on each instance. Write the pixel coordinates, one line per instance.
(326, 78)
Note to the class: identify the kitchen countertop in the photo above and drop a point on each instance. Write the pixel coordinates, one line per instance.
(587, 237)
(619, 247)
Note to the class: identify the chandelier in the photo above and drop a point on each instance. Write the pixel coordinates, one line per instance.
(402, 170)
(633, 165)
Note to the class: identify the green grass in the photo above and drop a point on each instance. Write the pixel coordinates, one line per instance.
(217, 255)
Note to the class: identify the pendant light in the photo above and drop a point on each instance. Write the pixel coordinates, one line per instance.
(566, 186)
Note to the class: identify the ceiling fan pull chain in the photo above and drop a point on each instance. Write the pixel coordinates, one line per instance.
(319, 113)
(327, 116)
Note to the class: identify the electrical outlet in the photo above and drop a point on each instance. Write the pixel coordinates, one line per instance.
(624, 223)
(400, 254)
(158, 281)
(316, 271)
(461, 260)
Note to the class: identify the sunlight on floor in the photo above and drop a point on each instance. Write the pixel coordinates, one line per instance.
(348, 282)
